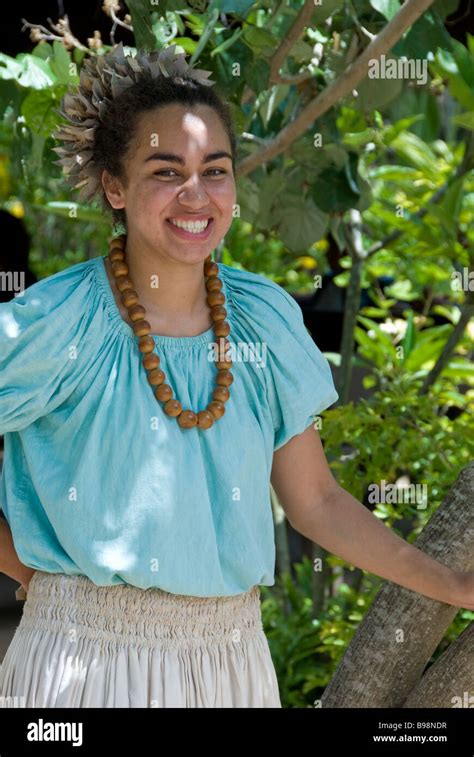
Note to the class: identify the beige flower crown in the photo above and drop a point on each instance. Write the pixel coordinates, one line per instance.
(102, 78)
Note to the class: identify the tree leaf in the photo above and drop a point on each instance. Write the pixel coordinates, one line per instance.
(388, 8)
(300, 222)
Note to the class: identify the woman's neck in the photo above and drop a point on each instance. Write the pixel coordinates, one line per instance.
(172, 293)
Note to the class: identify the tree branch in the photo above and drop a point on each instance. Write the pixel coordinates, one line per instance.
(357, 71)
(467, 312)
(281, 54)
(354, 242)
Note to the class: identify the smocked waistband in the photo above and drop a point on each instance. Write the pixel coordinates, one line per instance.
(76, 606)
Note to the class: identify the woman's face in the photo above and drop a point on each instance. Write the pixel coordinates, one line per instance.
(176, 171)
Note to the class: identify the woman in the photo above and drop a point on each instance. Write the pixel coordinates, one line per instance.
(136, 475)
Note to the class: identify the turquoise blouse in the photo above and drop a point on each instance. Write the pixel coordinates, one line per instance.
(97, 480)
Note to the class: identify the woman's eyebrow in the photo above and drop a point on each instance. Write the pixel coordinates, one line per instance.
(172, 158)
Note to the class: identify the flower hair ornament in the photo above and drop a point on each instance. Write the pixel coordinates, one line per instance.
(103, 78)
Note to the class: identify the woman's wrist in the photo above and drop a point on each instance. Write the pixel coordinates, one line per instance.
(463, 589)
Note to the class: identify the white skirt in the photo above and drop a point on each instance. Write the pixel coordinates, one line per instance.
(83, 645)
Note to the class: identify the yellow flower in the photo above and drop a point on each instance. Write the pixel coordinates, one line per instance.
(306, 262)
(16, 208)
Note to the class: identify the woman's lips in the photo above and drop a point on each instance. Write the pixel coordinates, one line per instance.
(190, 235)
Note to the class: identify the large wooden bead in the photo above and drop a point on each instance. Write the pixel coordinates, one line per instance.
(221, 328)
(210, 268)
(156, 376)
(137, 312)
(129, 298)
(151, 361)
(214, 284)
(215, 298)
(173, 408)
(119, 268)
(223, 353)
(164, 392)
(123, 283)
(141, 328)
(216, 408)
(224, 365)
(187, 419)
(224, 378)
(218, 313)
(205, 419)
(221, 393)
(116, 255)
(119, 241)
(146, 344)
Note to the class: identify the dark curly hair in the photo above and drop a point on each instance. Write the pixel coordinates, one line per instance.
(114, 135)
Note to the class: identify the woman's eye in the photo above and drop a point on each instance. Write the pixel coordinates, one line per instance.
(165, 171)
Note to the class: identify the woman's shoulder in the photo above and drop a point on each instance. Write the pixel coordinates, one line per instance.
(46, 344)
(57, 285)
(259, 294)
(55, 301)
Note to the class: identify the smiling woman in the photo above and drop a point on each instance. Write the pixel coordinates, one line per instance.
(150, 542)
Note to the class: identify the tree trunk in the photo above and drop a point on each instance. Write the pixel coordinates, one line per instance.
(449, 681)
(384, 663)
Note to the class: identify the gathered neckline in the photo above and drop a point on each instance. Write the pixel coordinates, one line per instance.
(165, 340)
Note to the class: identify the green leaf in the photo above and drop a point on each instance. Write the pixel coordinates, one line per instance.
(300, 222)
(61, 65)
(380, 335)
(466, 120)
(140, 11)
(227, 43)
(400, 174)
(452, 201)
(236, 7)
(401, 290)
(460, 86)
(259, 39)
(248, 198)
(388, 8)
(410, 336)
(324, 9)
(189, 45)
(426, 35)
(459, 369)
(28, 70)
(445, 7)
(410, 147)
(377, 93)
(332, 191)
(38, 111)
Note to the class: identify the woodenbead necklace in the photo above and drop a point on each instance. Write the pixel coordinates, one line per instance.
(146, 344)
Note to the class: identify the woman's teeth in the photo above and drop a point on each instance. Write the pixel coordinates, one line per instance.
(195, 227)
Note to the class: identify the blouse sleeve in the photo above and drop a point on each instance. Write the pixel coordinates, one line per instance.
(298, 377)
(40, 331)
(300, 382)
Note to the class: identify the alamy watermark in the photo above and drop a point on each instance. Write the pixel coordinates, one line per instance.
(398, 68)
(12, 281)
(397, 494)
(244, 352)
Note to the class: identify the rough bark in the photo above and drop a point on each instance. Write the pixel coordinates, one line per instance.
(449, 682)
(384, 663)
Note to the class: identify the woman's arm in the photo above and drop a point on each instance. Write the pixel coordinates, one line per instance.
(324, 512)
(9, 560)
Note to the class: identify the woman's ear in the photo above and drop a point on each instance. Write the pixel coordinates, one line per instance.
(113, 189)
